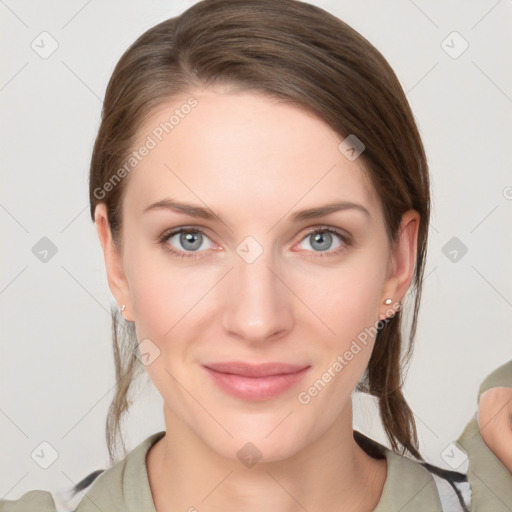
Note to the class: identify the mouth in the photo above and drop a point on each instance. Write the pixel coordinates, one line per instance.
(255, 381)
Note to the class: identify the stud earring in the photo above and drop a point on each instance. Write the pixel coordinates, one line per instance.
(123, 307)
(388, 301)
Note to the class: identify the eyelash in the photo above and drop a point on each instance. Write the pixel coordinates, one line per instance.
(347, 241)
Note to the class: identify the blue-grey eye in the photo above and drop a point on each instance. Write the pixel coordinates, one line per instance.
(322, 240)
(188, 240)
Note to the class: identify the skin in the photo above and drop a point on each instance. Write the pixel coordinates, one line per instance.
(255, 161)
(495, 422)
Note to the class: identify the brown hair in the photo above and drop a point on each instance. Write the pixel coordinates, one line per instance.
(301, 54)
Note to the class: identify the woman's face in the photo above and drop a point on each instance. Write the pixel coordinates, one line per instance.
(255, 286)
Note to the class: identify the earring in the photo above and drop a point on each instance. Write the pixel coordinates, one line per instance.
(388, 301)
(123, 307)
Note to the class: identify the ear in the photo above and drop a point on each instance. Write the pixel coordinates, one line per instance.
(113, 262)
(402, 262)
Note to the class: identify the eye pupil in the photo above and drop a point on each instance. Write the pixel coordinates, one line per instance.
(189, 238)
(325, 236)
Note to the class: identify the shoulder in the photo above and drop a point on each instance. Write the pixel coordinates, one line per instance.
(413, 486)
(124, 486)
(31, 501)
(485, 486)
(419, 486)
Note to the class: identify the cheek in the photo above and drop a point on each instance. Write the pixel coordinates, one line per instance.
(154, 291)
(348, 303)
(347, 297)
(166, 294)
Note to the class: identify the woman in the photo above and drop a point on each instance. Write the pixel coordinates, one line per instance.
(278, 143)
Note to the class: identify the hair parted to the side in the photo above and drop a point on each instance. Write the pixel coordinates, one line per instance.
(301, 54)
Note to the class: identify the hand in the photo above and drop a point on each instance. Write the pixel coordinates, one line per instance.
(495, 422)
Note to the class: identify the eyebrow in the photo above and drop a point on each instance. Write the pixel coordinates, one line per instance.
(206, 213)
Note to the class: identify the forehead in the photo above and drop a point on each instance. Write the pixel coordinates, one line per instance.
(250, 147)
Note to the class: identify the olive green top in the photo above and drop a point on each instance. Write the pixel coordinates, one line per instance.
(409, 487)
(491, 482)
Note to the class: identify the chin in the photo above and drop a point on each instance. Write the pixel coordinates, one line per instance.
(260, 442)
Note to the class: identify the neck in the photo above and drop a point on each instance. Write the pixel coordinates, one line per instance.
(331, 474)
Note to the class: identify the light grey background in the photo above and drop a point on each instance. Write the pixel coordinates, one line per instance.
(56, 365)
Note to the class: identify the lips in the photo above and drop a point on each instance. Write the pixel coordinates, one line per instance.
(255, 382)
(255, 370)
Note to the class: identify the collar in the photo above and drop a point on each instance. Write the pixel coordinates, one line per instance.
(408, 487)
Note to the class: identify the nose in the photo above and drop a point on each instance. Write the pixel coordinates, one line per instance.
(258, 303)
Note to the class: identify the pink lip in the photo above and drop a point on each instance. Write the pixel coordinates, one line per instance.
(255, 381)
